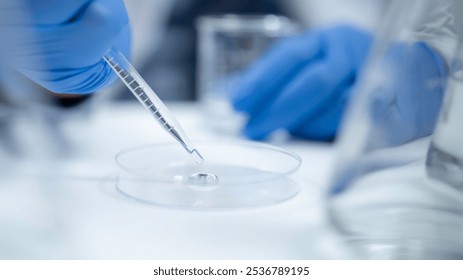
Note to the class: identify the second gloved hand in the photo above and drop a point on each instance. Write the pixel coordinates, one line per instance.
(59, 44)
(302, 84)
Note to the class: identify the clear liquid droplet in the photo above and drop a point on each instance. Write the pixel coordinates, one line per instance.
(203, 179)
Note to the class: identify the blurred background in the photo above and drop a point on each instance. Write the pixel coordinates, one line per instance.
(165, 34)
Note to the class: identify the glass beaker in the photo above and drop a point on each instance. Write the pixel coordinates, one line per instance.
(445, 156)
(381, 200)
(228, 44)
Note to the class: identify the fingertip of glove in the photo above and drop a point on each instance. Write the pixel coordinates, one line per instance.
(255, 133)
(238, 105)
(253, 136)
(241, 99)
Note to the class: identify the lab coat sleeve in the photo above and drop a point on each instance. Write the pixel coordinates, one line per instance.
(437, 27)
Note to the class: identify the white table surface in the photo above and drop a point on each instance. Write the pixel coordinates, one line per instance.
(66, 206)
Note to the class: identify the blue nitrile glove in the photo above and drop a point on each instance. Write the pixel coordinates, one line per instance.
(61, 43)
(406, 103)
(302, 84)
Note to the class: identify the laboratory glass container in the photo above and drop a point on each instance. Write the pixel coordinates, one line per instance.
(234, 174)
(227, 45)
(381, 200)
(445, 156)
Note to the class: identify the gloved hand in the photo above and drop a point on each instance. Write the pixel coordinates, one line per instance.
(60, 43)
(302, 84)
(406, 100)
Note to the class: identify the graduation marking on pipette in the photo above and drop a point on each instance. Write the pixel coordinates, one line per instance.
(143, 92)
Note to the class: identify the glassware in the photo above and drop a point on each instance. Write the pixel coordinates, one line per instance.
(381, 200)
(445, 156)
(228, 44)
(234, 175)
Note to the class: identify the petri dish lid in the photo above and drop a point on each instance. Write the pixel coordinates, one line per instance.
(234, 174)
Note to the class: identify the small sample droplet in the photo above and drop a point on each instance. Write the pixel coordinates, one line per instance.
(203, 179)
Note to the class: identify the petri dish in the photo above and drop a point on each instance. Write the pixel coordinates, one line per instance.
(237, 174)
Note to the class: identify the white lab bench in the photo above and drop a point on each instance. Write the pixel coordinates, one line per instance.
(67, 207)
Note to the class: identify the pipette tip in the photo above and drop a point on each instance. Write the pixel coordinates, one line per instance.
(197, 156)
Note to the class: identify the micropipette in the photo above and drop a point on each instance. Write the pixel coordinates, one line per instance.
(150, 100)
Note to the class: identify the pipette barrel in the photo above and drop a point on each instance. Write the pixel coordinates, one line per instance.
(149, 100)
